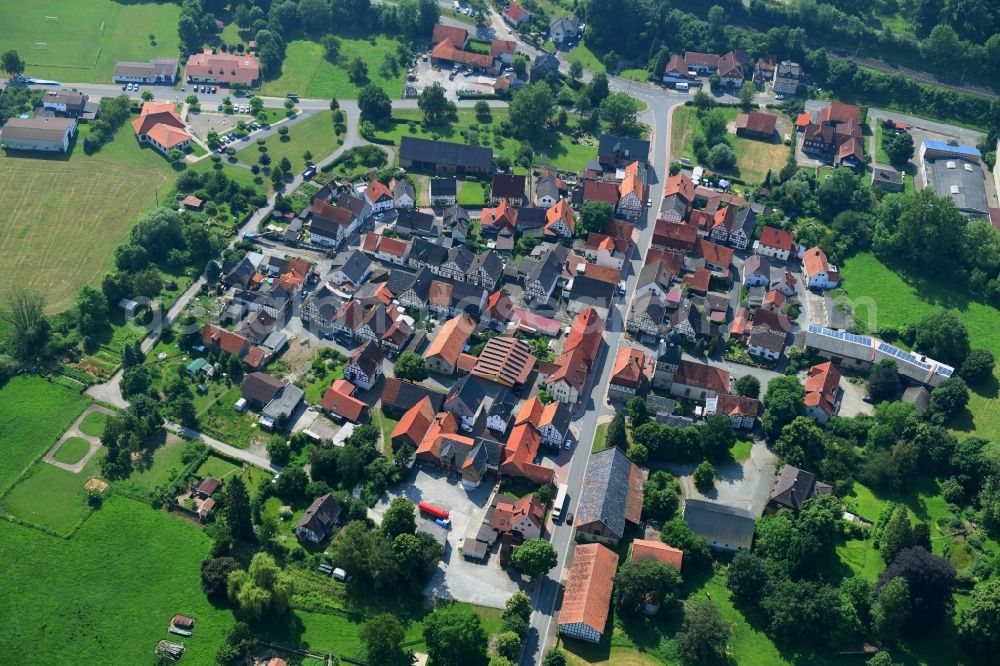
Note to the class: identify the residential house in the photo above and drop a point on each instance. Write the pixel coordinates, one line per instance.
(793, 488)
(486, 270)
(644, 549)
(653, 278)
(403, 193)
(531, 221)
(763, 71)
(551, 420)
(510, 188)
(315, 524)
(364, 368)
(646, 316)
(465, 400)
(698, 381)
(413, 425)
(682, 186)
(676, 70)
(837, 136)
(398, 397)
(387, 326)
(65, 102)
(822, 391)
(730, 68)
(500, 223)
(600, 190)
(351, 270)
(631, 373)
(443, 156)
(446, 298)
(541, 279)
(742, 412)
(499, 308)
(506, 361)
(426, 254)
(566, 381)
(545, 66)
(888, 179)
(546, 190)
(717, 258)
(756, 271)
(442, 354)
(586, 333)
(330, 224)
(726, 528)
(588, 593)
(445, 54)
(756, 125)
(765, 343)
(564, 30)
(42, 134)
(258, 389)
(606, 251)
(672, 236)
(157, 70)
(457, 264)
(701, 63)
(615, 152)
(456, 220)
(668, 358)
(379, 196)
(787, 75)
(393, 251)
(775, 243)
(560, 220)
(160, 127)
(500, 416)
(444, 192)
(612, 494)
(516, 16)
(521, 517)
(820, 273)
(339, 402)
(503, 50)
(223, 68)
(632, 191)
(520, 452)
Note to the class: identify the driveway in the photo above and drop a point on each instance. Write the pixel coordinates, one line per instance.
(852, 392)
(456, 578)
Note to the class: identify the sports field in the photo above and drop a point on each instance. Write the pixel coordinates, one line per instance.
(63, 217)
(75, 47)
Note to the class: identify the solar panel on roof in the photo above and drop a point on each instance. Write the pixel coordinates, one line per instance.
(944, 371)
(840, 335)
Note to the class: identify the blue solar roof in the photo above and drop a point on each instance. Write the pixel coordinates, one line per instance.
(906, 356)
(944, 370)
(958, 150)
(840, 335)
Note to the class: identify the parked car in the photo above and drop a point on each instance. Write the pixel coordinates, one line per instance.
(568, 443)
(219, 106)
(569, 518)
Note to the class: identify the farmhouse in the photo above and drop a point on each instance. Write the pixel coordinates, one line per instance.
(223, 68)
(161, 127)
(43, 134)
(775, 243)
(587, 597)
(793, 488)
(315, 523)
(157, 70)
(822, 388)
(442, 354)
(442, 156)
(339, 402)
(742, 412)
(506, 361)
(756, 125)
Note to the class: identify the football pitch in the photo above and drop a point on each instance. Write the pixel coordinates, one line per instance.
(80, 42)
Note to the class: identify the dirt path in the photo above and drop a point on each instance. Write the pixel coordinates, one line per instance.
(74, 431)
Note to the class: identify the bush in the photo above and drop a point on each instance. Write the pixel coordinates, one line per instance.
(704, 476)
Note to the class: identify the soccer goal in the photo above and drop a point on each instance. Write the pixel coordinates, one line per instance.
(41, 46)
(52, 19)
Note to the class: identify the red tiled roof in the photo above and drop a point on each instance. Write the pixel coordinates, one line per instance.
(703, 376)
(756, 122)
(572, 367)
(560, 211)
(377, 190)
(505, 360)
(680, 184)
(822, 384)
(603, 273)
(224, 67)
(415, 422)
(255, 357)
(446, 50)
(451, 339)
(586, 332)
(629, 368)
(675, 236)
(633, 182)
(589, 586)
(814, 261)
(442, 32)
(371, 242)
(776, 238)
(643, 550)
(531, 410)
(338, 399)
(501, 217)
(839, 112)
(737, 405)
(393, 247)
(517, 12)
(227, 341)
(718, 255)
(499, 47)
(677, 64)
(596, 190)
(699, 280)
(499, 306)
(803, 120)
(673, 261)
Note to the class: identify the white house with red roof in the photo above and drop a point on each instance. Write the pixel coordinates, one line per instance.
(159, 126)
(822, 389)
(379, 196)
(516, 15)
(819, 272)
(775, 243)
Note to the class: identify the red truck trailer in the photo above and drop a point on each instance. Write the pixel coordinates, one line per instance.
(433, 510)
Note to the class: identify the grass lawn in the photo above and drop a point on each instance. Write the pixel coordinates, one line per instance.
(741, 450)
(585, 57)
(754, 158)
(221, 421)
(315, 134)
(218, 467)
(559, 151)
(164, 462)
(51, 496)
(93, 424)
(600, 438)
(880, 155)
(89, 38)
(386, 425)
(107, 593)
(237, 173)
(471, 194)
(33, 414)
(307, 71)
(72, 450)
(882, 297)
(635, 74)
(72, 229)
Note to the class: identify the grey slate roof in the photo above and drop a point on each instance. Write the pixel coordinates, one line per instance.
(412, 220)
(399, 281)
(443, 187)
(470, 391)
(452, 215)
(530, 218)
(547, 270)
(623, 148)
(794, 486)
(428, 252)
(285, 402)
(443, 152)
(719, 522)
(369, 358)
(355, 265)
(605, 490)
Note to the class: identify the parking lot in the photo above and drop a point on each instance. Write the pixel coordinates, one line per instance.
(485, 583)
(428, 73)
(204, 122)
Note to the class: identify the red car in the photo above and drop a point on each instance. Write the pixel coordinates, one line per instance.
(569, 518)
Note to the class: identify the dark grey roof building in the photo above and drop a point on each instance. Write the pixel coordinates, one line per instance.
(615, 151)
(724, 527)
(444, 156)
(612, 494)
(793, 487)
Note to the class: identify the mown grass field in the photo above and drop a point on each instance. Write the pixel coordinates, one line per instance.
(77, 49)
(51, 496)
(315, 134)
(33, 414)
(754, 158)
(72, 450)
(882, 297)
(93, 424)
(64, 216)
(308, 72)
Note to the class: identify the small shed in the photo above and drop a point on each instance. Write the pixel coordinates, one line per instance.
(241, 405)
(182, 621)
(191, 202)
(129, 306)
(474, 550)
(198, 365)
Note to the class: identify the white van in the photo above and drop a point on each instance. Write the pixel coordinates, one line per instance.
(682, 86)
